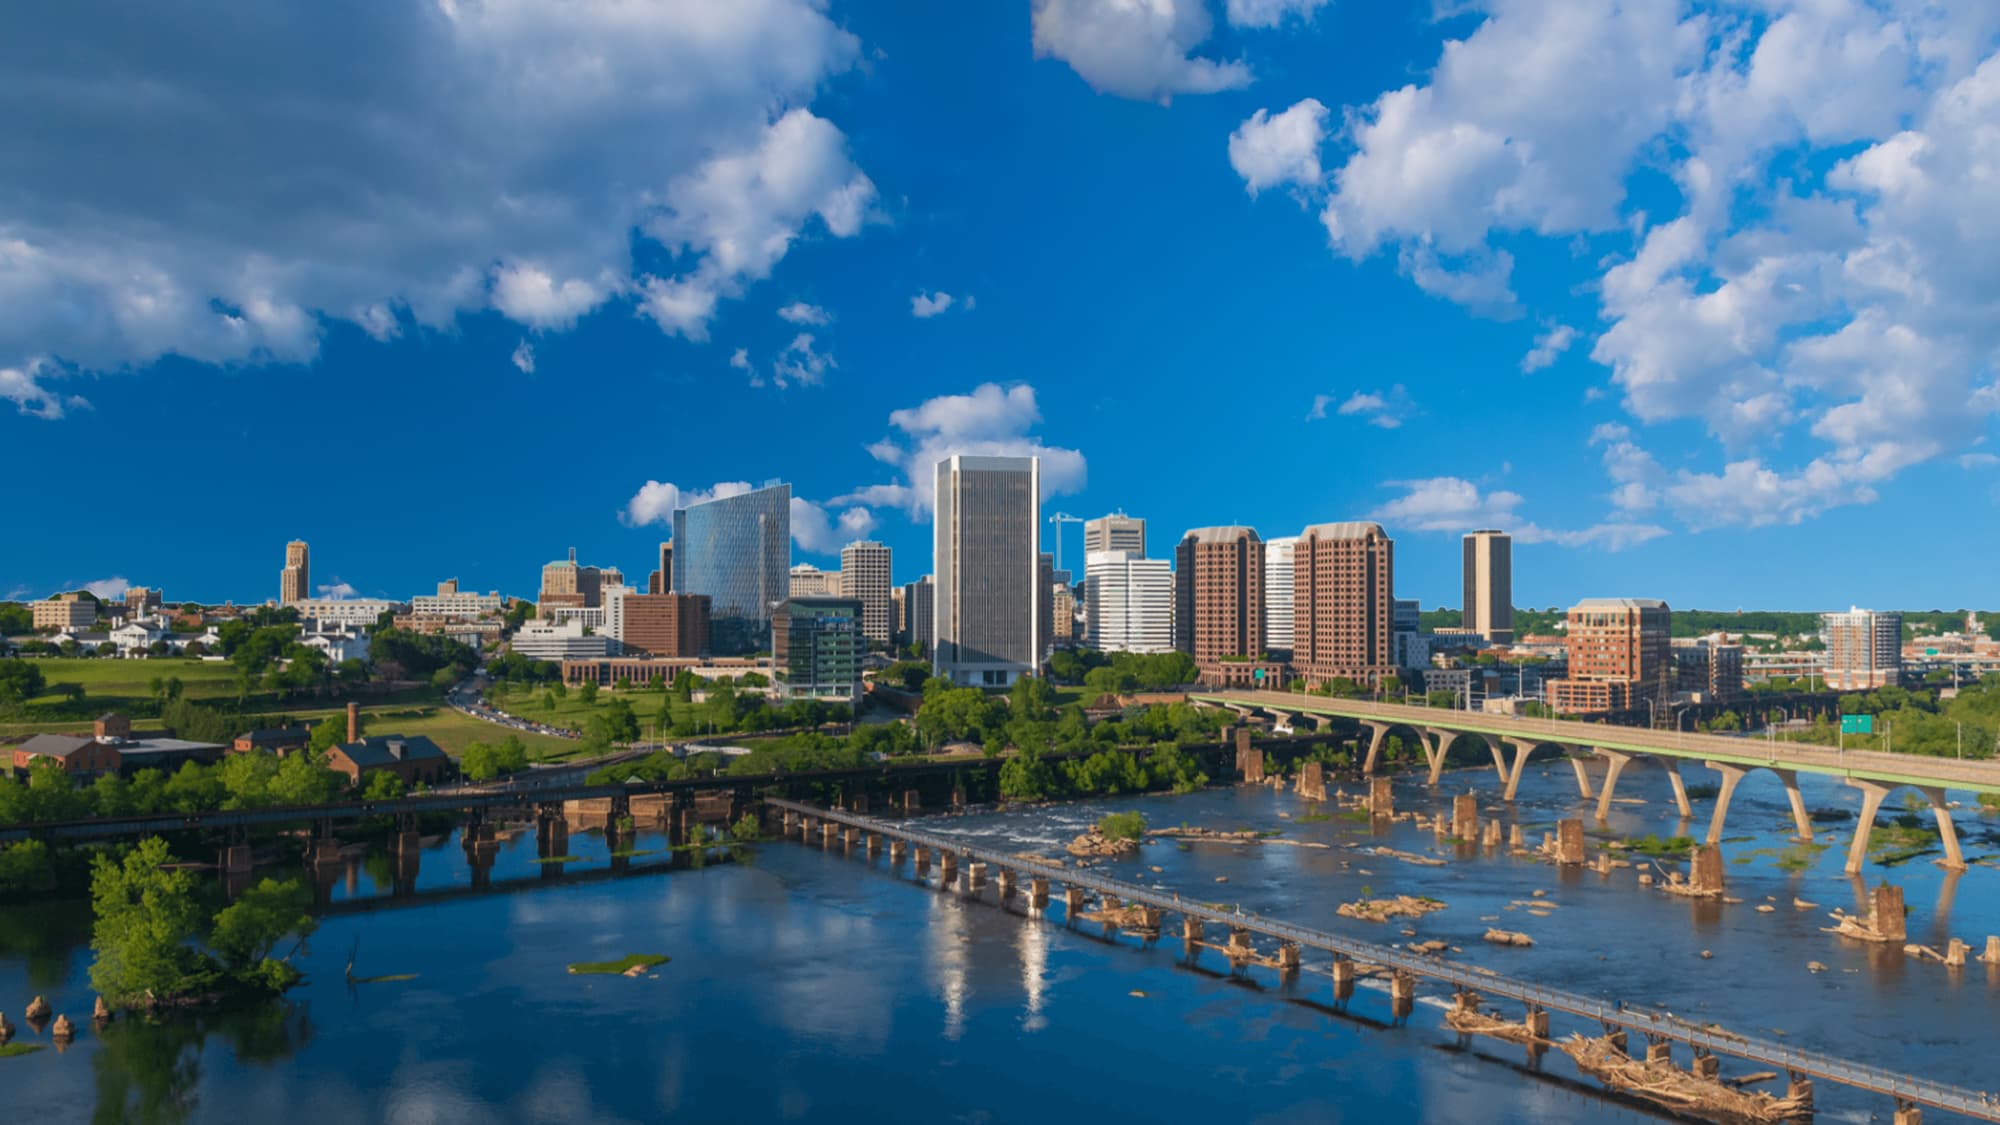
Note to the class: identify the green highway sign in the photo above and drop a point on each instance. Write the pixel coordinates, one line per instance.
(1258, 674)
(1857, 724)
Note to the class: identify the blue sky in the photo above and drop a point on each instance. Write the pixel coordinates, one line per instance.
(1698, 299)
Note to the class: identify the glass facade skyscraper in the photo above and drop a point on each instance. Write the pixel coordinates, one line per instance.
(738, 551)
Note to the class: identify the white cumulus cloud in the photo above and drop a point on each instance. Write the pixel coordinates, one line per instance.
(524, 357)
(1269, 13)
(1269, 150)
(110, 589)
(798, 312)
(395, 165)
(992, 421)
(1550, 344)
(923, 306)
(1453, 504)
(822, 532)
(1134, 48)
(336, 590)
(814, 528)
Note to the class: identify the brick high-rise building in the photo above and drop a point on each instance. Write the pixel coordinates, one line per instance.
(1864, 649)
(673, 625)
(1620, 656)
(1219, 596)
(1488, 609)
(295, 581)
(1343, 591)
(566, 585)
(661, 581)
(864, 576)
(73, 610)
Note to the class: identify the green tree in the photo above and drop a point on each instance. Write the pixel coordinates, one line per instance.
(248, 929)
(382, 785)
(145, 917)
(1122, 826)
(587, 691)
(26, 868)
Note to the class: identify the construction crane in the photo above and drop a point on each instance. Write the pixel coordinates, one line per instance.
(1059, 519)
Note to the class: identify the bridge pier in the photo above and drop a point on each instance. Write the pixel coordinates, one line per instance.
(1801, 1088)
(1381, 798)
(1312, 781)
(1006, 883)
(1614, 763)
(1584, 791)
(848, 836)
(1465, 817)
(1239, 950)
(1402, 993)
(1537, 1022)
(873, 843)
(1378, 733)
(1679, 783)
(1250, 766)
(1800, 819)
(1288, 957)
(1908, 1114)
(1343, 976)
(923, 861)
(1072, 903)
(1191, 932)
(827, 831)
(1569, 841)
(1510, 771)
(913, 801)
(897, 849)
(1731, 776)
(236, 859)
(1954, 859)
(947, 868)
(975, 875)
(1435, 743)
(1038, 892)
(1872, 793)
(1706, 1065)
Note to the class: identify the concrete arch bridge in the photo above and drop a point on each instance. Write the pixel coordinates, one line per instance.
(1512, 741)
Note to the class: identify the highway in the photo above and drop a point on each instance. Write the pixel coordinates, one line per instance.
(1867, 765)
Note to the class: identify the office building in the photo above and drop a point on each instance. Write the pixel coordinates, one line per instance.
(561, 640)
(1343, 590)
(816, 648)
(920, 614)
(1062, 604)
(737, 550)
(358, 612)
(1710, 667)
(1129, 601)
(1864, 649)
(452, 604)
(1219, 598)
(664, 625)
(1413, 649)
(809, 581)
(864, 576)
(1620, 656)
(1115, 532)
(1489, 585)
(294, 582)
(142, 602)
(65, 612)
(1278, 577)
(565, 585)
(661, 581)
(987, 565)
(1045, 601)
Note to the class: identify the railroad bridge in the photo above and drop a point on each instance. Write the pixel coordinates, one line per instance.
(1253, 939)
(1512, 741)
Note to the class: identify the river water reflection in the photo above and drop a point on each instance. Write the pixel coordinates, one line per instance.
(807, 985)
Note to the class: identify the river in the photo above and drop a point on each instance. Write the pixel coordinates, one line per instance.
(819, 986)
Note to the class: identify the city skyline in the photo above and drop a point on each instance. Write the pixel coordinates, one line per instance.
(1563, 367)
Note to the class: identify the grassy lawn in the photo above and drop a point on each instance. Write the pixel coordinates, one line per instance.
(452, 730)
(572, 713)
(108, 679)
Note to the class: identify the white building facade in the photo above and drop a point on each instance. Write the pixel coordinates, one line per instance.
(1129, 601)
(1278, 600)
